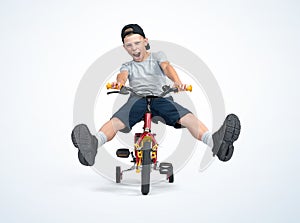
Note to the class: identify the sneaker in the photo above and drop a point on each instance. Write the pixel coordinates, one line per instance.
(223, 139)
(82, 160)
(86, 143)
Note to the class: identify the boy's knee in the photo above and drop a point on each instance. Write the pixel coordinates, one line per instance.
(188, 118)
(117, 123)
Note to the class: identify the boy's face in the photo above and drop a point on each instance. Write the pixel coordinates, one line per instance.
(135, 45)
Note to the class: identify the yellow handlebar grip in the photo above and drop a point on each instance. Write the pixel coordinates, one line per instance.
(189, 88)
(108, 86)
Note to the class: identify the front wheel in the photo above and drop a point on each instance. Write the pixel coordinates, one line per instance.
(146, 168)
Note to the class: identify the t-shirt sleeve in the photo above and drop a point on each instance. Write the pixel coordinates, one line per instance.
(161, 57)
(125, 67)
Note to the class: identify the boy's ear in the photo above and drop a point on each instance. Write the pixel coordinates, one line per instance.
(146, 41)
(147, 46)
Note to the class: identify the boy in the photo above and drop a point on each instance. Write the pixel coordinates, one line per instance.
(147, 73)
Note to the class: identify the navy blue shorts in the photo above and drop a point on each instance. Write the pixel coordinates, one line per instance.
(165, 109)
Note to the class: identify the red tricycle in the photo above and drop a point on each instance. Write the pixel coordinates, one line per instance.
(144, 154)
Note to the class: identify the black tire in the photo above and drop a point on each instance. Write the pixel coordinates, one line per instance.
(171, 178)
(118, 174)
(146, 168)
(171, 174)
(167, 168)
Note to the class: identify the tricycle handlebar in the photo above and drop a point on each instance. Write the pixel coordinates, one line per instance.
(166, 89)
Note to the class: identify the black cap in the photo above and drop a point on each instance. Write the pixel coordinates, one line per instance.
(133, 29)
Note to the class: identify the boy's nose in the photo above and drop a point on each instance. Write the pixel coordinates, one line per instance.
(134, 48)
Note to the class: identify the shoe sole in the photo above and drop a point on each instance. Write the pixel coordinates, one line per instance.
(233, 128)
(232, 132)
(81, 159)
(82, 139)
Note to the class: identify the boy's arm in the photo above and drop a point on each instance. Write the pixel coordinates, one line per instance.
(121, 78)
(171, 73)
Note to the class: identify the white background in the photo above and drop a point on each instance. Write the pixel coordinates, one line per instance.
(252, 47)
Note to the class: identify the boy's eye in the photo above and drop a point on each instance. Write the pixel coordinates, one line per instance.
(130, 45)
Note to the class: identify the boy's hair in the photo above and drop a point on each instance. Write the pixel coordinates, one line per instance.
(133, 29)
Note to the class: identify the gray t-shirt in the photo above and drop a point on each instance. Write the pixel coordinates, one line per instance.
(146, 77)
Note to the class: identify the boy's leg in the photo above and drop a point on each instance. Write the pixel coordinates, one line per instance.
(88, 144)
(111, 128)
(221, 141)
(121, 120)
(194, 125)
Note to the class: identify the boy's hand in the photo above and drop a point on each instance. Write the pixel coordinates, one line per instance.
(179, 85)
(182, 87)
(116, 85)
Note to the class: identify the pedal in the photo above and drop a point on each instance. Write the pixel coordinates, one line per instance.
(123, 153)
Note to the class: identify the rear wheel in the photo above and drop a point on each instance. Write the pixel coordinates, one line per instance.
(171, 178)
(146, 168)
(171, 174)
(118, 174)
(167, 168)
